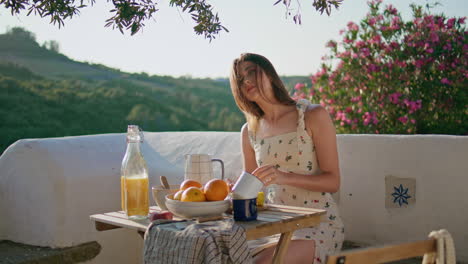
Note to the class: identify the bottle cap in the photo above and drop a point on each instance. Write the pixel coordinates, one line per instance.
(134, 134)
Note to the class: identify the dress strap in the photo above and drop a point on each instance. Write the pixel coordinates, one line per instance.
(301, 105)
(304, 141)
(251, 136)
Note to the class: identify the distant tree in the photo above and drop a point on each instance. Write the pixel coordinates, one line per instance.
(22, 33)
(132, 14)
(139, 112)
(52, 45)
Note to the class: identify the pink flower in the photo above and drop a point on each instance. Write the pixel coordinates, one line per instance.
(352, 26)
(450, 23)
(419, 63)
(373, 68)
(366, 118)
(394, 97)
(396, 22)
(392, 10)
(372, 21)
(347, 40)
(299, 86)
(299, 95)
(403, 119)
(413, 105)
(445, 81)
(344, 54)
(376, 39)
(339, 115)
(370, 117)
(365, 52)
(331, 44)
(401, 63)
(359, 44)
(356, 99)
(434, 37)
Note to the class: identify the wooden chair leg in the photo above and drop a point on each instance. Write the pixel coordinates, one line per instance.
(282, 247)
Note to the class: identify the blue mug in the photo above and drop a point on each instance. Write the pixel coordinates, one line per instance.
(245, 209)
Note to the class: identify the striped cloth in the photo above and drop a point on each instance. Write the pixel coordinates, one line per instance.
(214, 242)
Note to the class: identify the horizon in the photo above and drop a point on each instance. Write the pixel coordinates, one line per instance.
(297, 49)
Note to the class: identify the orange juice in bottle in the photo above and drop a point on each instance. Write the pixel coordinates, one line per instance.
(134, 177)
(137, 198)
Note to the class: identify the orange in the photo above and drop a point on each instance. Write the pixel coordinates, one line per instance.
(190, 183)
(216, 190)
(178, 195)
(193, 194)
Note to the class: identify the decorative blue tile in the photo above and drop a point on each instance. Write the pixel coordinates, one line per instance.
(399, 192)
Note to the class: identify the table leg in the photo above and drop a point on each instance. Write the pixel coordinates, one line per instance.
(282, 247)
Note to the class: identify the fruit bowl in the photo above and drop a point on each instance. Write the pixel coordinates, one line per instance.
(196, 209)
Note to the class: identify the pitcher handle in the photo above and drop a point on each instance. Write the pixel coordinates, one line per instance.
(222, 167)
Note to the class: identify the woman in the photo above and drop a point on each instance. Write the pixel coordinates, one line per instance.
(291, 147)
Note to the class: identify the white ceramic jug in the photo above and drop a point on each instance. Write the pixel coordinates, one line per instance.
(199, 167)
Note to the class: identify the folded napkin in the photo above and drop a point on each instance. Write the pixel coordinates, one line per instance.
(214, 242)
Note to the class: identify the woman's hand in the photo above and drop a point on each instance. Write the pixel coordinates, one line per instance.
(269, 174)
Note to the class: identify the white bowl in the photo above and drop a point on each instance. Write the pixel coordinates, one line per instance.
(196, 209)
(159, 194)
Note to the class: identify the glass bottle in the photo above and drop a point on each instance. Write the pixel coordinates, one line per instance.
(134, 177)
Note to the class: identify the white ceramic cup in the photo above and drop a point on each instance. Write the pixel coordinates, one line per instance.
(247, 186)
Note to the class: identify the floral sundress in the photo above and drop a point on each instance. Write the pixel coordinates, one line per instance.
(295, 152)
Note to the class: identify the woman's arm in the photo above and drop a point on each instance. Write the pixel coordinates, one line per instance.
(321, 129)
(248, 154)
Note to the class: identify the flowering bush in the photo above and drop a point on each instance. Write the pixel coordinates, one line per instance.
(395, 77)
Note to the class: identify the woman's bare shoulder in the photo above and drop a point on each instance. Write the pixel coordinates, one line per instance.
(316, 115)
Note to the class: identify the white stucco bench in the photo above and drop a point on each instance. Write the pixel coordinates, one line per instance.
(49, 187)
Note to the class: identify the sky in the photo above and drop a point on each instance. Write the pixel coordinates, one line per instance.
(169, 46)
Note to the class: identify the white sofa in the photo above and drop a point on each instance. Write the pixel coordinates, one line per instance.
(49, 187)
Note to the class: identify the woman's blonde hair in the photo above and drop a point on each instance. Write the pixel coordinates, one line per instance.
(251, 110)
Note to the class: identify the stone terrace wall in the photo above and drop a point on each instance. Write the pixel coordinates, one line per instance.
(49, 187)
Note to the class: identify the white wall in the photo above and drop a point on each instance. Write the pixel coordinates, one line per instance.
(438, 163)
(59, 182)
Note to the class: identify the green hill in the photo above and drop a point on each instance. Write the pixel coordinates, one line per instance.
(46, 94)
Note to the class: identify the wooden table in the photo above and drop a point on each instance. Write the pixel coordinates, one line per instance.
(274, 219)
